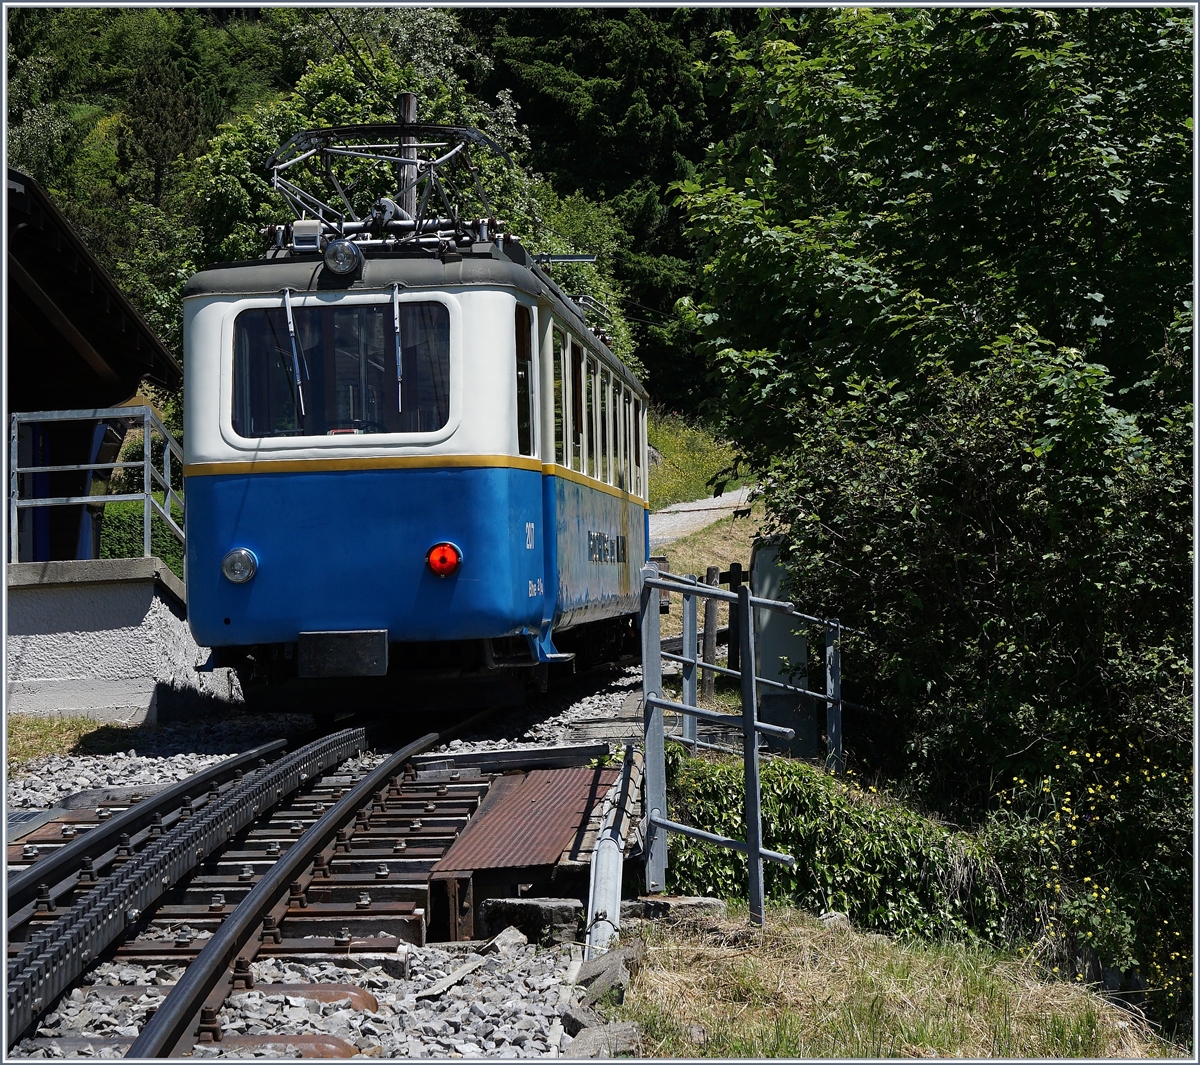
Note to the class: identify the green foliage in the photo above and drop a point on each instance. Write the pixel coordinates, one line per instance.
(914, 184)
(884, 866)
(237, 200)
(691, 457)
(121, 535)
(1018, 550)
(947, 299)
(617, 107)
(1015, 883)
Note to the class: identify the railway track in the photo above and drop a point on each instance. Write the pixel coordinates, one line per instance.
(268, 854)
(293, 879)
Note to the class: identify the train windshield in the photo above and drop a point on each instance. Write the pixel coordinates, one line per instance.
(344, 373)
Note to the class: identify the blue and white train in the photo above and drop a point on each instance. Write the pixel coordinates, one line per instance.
(405, 458)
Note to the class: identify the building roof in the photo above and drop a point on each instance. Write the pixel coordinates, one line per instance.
(73, 339)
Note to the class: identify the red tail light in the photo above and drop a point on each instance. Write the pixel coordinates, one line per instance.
(444, 559)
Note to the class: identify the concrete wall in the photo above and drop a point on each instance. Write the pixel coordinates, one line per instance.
(106, 639)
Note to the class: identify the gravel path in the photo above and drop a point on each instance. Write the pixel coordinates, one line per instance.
(548, 720)
(680, 519)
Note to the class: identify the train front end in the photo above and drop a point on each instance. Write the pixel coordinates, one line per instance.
(354, 465)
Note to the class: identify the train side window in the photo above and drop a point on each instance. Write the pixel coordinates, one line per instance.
(646, 465)
(602, 441)
(525, 408)
(637, 447)
(628, 407)
(593, 457)
(621, 437)
(560, 430)
(577, 423)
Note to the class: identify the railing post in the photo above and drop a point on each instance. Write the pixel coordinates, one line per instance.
(690, 606)
(833, 689)
(655, 769)
(14, 487)
(167, 477)
(708, 677)
(735, 642)
(147, 482)
(753, 810)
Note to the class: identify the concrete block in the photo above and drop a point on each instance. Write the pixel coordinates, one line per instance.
(629, 955)
(833, 919)
(609, 1041)
(508, 939)
(577, 1018)
(672, 908)
(541, 920)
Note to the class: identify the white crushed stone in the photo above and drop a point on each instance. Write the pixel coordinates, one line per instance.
(507, 1008)
(163, 755)
(548, 720)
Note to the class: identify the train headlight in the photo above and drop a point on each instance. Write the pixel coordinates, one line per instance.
(444, 559)
(343, 256)
(239, 565)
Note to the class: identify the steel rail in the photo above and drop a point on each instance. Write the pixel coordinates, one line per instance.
(59, 954)
(174, 1017)
(23, 886)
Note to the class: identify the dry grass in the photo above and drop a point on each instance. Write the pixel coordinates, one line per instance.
(799, 989)
(722, 542)
(32, 736)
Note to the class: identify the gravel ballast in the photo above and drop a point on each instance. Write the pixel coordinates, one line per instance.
(164, 755)
(509, 1007)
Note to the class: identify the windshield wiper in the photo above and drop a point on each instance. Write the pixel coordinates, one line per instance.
(399, 353)
(296, 355)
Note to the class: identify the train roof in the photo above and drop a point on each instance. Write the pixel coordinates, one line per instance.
(484, 265)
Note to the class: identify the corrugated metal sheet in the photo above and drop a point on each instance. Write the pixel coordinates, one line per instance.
(532, 824)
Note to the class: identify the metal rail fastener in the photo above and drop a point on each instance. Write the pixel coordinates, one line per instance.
(174, 1017)
(60, 953)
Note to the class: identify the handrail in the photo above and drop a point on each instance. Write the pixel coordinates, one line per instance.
(742, 606)
(152, 477)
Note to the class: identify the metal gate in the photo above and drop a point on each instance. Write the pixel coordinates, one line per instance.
(654, 703)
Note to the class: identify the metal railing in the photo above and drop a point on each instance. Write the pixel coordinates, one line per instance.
(152, 479)
(657, 823)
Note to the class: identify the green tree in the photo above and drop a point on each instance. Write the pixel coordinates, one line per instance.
(617, 108)
(910, 183)
(237, 202)
(946, 297)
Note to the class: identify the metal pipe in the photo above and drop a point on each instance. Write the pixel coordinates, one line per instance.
(722, 719)
(604, 891)
(14, 489)
(750, 755)
(78, 467)
(708, 684)
(173, 1018)
(834, 760)
(722, 841)
(147, 484)
(59, 501)
(655, 788)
